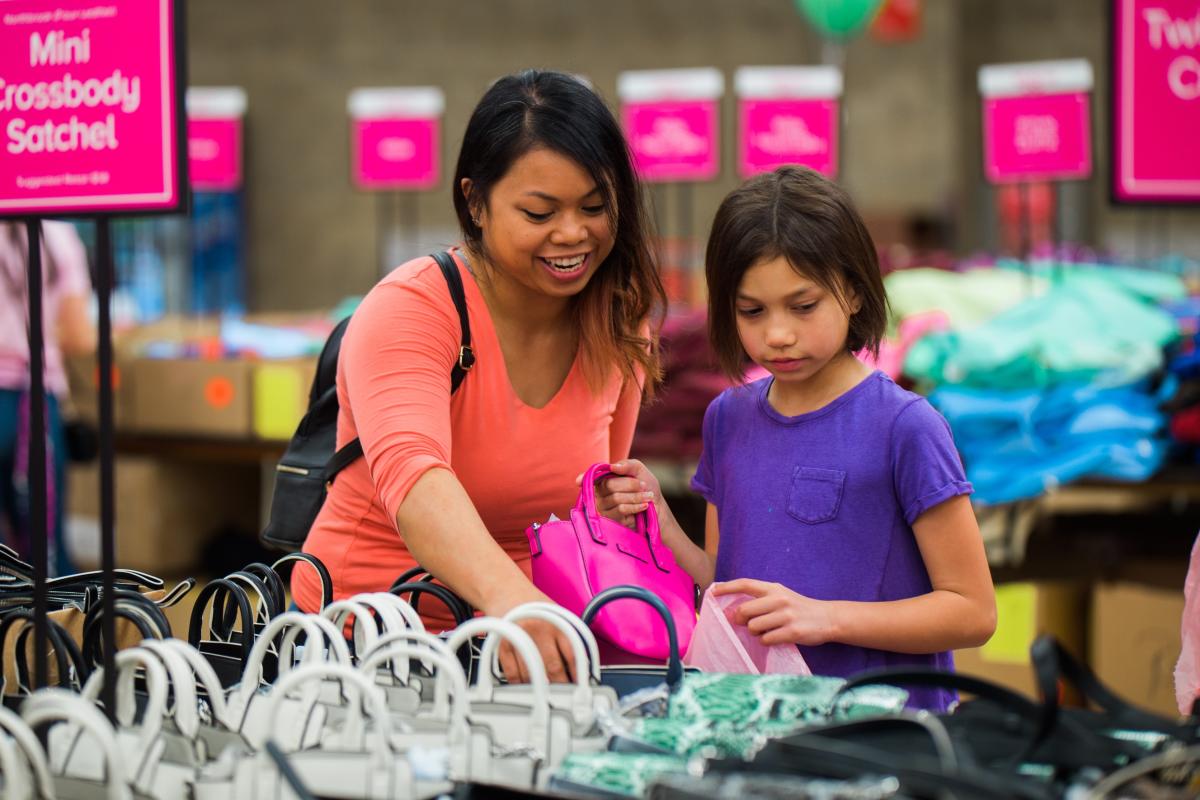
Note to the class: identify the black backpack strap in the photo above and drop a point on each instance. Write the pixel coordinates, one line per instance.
(466, 356)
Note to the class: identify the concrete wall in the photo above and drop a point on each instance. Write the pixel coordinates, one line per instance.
(911, 130)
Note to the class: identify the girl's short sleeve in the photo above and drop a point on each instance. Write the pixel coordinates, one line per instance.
(926, 467)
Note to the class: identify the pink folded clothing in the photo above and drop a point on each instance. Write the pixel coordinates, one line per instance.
(719, 645)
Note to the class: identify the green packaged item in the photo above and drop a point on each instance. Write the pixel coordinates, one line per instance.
(966, 298)
(732, 716)
(614, 774)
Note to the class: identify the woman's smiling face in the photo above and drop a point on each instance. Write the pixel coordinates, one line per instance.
(545, 225)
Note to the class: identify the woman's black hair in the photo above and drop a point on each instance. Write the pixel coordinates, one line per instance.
(553, 110)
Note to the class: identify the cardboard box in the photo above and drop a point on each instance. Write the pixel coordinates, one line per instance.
(1135, 641)
(83, 378)
(1025, 611)
(166, 510)
(281, 396)
(192, 397)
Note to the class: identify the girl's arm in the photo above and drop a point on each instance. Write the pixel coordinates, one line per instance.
(629, 493)
(959, 611)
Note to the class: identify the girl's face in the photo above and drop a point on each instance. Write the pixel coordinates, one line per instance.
(545, 225)
(788, 324)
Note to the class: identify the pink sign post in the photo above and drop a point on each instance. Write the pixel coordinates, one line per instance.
(89, 108)
(670, 118)
(395, 138)
(1156, 101)
(1037, 121)
(788, 115)
(214, 134)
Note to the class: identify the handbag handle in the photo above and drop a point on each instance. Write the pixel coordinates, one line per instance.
(674, 660)
(582, 630)
(457, 606)
(59, 705)
(448, 677)
(20, 732)
(1051, 661)
(157, 686)
(184, 710)
(206, 676)
(398, 617)
(370, 698)
(489, 656)
(646, 522)
(318, 567)
(365, 630)
(539, 727)
(239, 698)
(207, 594)
(400, 666)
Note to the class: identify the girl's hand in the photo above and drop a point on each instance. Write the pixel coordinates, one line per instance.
(777, 615)
(626, 493)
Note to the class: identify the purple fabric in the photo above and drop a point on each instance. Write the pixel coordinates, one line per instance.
(824, 502)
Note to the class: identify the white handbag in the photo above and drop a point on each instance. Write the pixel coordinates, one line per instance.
(530, 729)
(58, 706)
(247, 704)
(358, 763)
(586, 698)
(22, 761)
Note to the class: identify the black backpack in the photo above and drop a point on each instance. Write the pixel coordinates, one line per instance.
(309, 463)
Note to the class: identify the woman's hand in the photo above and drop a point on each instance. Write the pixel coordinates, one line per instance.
(777, 615)
(553, 646)
(627, 492)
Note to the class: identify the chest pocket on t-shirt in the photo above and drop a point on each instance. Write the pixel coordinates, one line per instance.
(816, 494)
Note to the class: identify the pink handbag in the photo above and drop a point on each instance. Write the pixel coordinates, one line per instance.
(575, 559)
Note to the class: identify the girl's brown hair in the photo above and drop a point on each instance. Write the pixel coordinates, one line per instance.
(796, 214)
(537, 108)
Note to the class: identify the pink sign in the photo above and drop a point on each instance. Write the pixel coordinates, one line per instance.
(1156, 100)
(1037, 137)
(395, 153)
(673, 141)
(88, 107)
(773, 133)
(215, 154)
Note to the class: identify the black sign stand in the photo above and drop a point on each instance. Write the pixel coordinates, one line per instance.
(104, 287)
(39, 534)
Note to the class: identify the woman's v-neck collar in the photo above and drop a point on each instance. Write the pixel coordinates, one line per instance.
(475, 297)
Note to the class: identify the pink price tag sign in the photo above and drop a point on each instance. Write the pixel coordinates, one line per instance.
(1037, 137)
(673, 141)
(395, 153)
(215, 154)
(89, 108)
(1156, 101)
(773, 133)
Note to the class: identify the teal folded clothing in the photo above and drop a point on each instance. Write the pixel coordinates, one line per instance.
(1018, 444)
(1089, 324)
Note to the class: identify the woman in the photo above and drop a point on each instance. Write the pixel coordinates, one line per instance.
(561, 288)
(66, 293)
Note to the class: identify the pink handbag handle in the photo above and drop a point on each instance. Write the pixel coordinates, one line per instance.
(647, 521)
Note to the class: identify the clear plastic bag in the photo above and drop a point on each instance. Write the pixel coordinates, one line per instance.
(719, 645)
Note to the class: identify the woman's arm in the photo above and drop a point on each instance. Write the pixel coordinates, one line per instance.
(445, 534)
(959, 611)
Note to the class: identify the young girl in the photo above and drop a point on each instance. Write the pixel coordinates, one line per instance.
(836, 499)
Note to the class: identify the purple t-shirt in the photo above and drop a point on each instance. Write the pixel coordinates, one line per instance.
(824, 503)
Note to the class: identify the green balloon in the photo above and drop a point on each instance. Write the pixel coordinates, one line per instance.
(838, 19)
